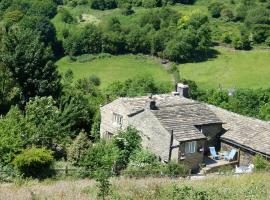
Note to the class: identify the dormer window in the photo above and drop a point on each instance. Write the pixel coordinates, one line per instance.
(117, 119)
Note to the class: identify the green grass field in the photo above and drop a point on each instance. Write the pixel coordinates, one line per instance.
(231, 69)
(117, 68)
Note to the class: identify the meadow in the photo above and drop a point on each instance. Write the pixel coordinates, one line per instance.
(116, 68)
(252, 187)
(231, 69)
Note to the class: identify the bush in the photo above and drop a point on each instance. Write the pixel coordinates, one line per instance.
(267, 41)
(215, 9)
(174, 169)
(34, 162)
(242, 43)
(102, 156)
(227, 15)
(226, 38)
(78, 148)
(127, 9)
(260, 163)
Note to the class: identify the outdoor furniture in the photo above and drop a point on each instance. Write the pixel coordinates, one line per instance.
(214, 154)
(231, 155)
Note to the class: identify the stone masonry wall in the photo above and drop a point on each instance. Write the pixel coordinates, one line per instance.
(245, 157)
(192, 160)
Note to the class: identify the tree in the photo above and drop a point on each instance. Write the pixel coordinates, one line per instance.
(79, 148)
(13, 132)
(9, 93)
(28, 61)
(88, 41)
(45, 127)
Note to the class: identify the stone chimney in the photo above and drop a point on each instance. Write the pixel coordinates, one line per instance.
(183, 90)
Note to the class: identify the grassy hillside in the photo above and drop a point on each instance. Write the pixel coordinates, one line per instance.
(252, 187)
(240, 69)
(116, 68)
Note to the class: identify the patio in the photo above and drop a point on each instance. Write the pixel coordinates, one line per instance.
(211, 164)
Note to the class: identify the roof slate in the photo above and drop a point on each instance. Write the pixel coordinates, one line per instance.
(182, 115)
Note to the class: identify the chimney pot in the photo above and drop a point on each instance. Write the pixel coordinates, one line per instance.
(183, 90)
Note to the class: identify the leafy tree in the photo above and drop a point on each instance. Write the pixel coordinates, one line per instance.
(103, 4)
(79, 148)
(28, 61)
(9, 93)
(265, 112)
(46, 128)
(13, 132)
(88, 41)
(42, 26)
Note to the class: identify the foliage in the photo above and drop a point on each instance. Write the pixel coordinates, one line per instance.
(136, 87)
(102, 156)
(103, 4)
(260, 163)
(127, 142)
(88, 41)
(215, 9)
(104, 185)
(29, 62)
(34, 162)
(78, 148)
(45, 127)
(12, 139)
(174, 169)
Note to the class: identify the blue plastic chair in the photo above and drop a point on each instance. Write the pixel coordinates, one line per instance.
(214, 154)
(231, 155)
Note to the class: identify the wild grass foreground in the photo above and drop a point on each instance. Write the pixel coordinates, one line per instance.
(252, 186)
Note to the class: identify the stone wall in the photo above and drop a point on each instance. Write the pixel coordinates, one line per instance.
(192, 160)
(155, 137)
(212, 132)
(107, 124)
(245, 156)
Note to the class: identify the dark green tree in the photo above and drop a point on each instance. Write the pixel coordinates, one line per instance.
(30, 65)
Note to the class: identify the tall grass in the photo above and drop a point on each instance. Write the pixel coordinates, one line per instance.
(252, 187)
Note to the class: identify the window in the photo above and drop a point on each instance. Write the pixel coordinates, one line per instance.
(117, 119)
(108, 135)
(190, 147)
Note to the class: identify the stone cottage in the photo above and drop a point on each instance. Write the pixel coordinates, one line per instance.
(174, 127)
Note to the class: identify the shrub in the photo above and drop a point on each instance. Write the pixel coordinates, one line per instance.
(242, 43)
(215, 9)
(226, 38)
(66, 16)
(260, 163)
(174, 169)
(267, 41)
(34, 162)
(127, 9)
(227, 15)
(78, 148)
(101, 156)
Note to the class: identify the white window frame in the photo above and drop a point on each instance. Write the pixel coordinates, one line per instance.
(117, 119)
(190, 147)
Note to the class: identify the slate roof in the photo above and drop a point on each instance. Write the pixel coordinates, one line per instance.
(182, 115)
(248, 132)
(175, 113)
